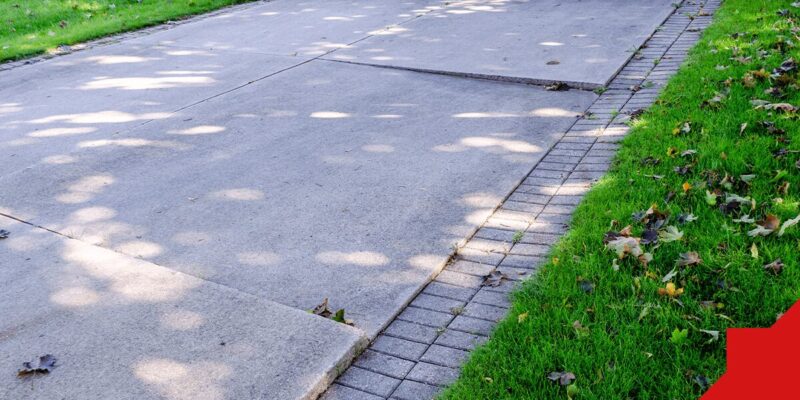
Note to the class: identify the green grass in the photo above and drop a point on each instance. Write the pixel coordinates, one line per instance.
(30, 27)
(623, 347)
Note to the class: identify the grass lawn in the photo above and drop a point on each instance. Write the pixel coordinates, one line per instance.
(621, 327)
(30, 27)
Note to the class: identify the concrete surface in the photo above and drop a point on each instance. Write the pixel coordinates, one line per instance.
(295, 28)
(581, 42)
(252, 179)
(123, 328)
(327, 180)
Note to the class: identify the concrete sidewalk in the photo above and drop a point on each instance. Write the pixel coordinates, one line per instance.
(212, 182)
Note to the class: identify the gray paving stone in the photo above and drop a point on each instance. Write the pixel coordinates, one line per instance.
(492, 246)
(506, 286)
(480, 256)
(368, 381)
(483, 311)
(538, 238)
(566, 200)
(559, 166)
(437, 303)
(459, 340)
(446, 356)
(449, 291)
(472, 325)
(565, 209)
(529, 198)
(384, 364)
(410, 390)
(520, 261)
(499, 223)
(422, 316)
(492, 298)
(528, 249)
(471, 268)
(433, 374)
(522, 207)
(339, 392)
(402, 348)
(514, 273)
(411, 331)
(459, 279)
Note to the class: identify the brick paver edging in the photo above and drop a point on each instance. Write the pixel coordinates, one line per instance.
(422, 349)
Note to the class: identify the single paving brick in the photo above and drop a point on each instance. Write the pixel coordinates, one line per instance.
(459, 279)
(411, 331)
(560, 208)
(539, 238)
(508, 224)
(436, 303)
(368, 381)
(410, 390)
(459, 340)
(529, 197)
(527, 249)
(495, 234)
(433, 374)
(513, 273)
(422, 316)
(449, 291)
(522, 207)
(399, 347)
(506, 286)
(481, 256)
(472, 325)
(483, 311)
(339, 392)
(518, 261)
(566, 200)
(447, 356)
(557, 166)
(384, 364)
(495, 246)
(496, 299)
(470, 268)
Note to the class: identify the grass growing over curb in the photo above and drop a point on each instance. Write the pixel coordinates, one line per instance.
(30, 27)
(616, 325)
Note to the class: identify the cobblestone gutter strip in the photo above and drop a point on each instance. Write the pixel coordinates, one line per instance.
(422, 349)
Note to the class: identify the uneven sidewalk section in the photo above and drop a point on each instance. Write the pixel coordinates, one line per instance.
(120, 327)
(581, 43)
(421, 351)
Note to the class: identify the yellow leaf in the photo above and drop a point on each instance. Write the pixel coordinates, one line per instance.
(670, 291)
(522, 317)
(686, 187)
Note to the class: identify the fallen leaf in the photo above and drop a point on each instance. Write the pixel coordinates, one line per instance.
(765, 226)
(586, 285)
(46, 364)
(754, 251)
(322, 309)
(714, 335)
(557, 87)
(4, 234)
(670, 290)
(685, 218)
(553, 62)
(701, 381)
(494, 279)
(745, 219)
(668, 277)
(788, 224)
(679, 336)
(563, 378)
(670, 234)
(522, 317)
(688, 259)
(775, 267)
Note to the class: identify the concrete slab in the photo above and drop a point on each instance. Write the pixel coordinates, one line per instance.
(303, 28)
(327, 180)
(52, 108)
(582, 42)
(123, 328)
